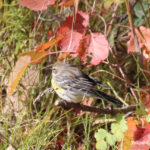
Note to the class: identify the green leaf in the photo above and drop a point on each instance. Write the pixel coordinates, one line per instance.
(140, 16)
(114, 128)
(123, 125)
(119, 136)
(101, 145)
(110, 139)
(104, 138)
(119, 127)
(101, 134)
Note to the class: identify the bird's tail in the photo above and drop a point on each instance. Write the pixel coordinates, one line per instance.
(108, 98)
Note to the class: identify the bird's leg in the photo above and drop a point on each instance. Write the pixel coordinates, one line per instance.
(61, 102)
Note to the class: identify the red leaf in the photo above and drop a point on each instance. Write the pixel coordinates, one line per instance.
(72, 37)
(97, 47)
(138, 133)
(143, 35)
(131, 45)
(94, 45)
(37, 4)
(141, 138)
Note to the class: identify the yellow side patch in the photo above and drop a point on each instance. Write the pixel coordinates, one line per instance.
(56, 87)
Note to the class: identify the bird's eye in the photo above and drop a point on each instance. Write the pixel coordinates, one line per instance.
(54, 70)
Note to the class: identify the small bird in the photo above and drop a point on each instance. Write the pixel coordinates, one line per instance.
(71, 84)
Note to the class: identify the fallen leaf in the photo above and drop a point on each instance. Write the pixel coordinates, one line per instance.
(22, 63)
(31, 79)
(37, 5)
(16, 102)
(17, 72)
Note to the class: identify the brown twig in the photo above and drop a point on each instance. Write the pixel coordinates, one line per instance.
(112, 110)
(113, 15)
(135, 38)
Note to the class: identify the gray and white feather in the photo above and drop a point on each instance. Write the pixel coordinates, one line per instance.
(71, 84)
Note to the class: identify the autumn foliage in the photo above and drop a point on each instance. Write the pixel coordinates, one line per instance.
(137, 135)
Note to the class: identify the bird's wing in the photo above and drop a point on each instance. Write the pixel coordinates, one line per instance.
(76, 83)
(83, 85)
(97, 82)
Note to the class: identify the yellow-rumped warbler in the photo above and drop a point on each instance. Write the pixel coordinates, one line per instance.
(71, 84)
